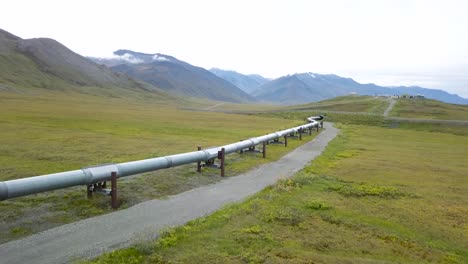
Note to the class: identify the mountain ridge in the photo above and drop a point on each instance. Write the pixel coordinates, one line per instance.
(302, 88)
(173, 75)
(48, 64)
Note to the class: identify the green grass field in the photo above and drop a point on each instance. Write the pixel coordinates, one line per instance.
(47, 132)
(429, 109)
(379, 194)
(350, 103)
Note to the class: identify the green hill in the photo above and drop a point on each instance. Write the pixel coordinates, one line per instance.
(349, 103)
(429, 109)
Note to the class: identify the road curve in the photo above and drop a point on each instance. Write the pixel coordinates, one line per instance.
(91, 237)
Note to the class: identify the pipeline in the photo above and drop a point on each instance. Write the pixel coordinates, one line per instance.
(91, 175)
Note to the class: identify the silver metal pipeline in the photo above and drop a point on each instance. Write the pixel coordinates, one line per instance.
(95, 174)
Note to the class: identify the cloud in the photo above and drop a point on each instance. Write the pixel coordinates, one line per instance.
(157, 57)
(127, 58)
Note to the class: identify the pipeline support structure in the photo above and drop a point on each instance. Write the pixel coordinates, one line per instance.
(95, 175)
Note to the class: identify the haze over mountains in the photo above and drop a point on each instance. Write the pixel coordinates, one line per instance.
(248, 83)
(45, 63)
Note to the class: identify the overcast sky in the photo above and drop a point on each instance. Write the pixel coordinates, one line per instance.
(405, 42)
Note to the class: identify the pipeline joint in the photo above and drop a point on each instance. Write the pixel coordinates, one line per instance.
(169, 162)
(99, 173)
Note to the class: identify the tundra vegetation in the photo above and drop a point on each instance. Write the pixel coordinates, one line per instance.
(45, 131)
(382, 192)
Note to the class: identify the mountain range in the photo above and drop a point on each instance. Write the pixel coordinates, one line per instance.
(173, 75)
(46, 63)
(310, 87)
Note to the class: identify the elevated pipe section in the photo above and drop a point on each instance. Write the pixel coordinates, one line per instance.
(92, 175)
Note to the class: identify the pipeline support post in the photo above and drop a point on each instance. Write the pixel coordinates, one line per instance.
(321, 124)
(300, 133)
(114, 203)
(285, 141)
(264, 149)
(310, 131)
(89, 191)
(317, 128)
(199, 162)
(221, 157)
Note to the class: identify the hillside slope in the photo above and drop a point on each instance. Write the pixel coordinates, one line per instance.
(173, 75)
(45, 63)
(429, 109)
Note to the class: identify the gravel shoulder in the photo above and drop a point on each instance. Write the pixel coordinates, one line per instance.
(91, 237)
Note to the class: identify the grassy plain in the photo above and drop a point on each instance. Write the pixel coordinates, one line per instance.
(46, 132)
(429, 109)
(380, 193)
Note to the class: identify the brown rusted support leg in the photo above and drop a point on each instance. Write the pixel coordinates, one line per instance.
(300, 133)
(114, 190)
(321, 124)
(310, 131)
(317, 128)
(221, 157)
(285, 141)
(199, 162)
(264, 149)
(89, 191)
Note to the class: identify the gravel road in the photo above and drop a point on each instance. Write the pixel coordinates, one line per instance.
(91, 237)
(390, 107)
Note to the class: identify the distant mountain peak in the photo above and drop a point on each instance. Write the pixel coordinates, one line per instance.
(312, 75)
(173, 75)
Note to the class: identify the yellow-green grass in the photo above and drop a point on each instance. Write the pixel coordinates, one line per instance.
(429, 109)
(376, 195)
(48, 132)
(351, 103)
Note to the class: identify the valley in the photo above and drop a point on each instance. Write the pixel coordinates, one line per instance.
(389, 187)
